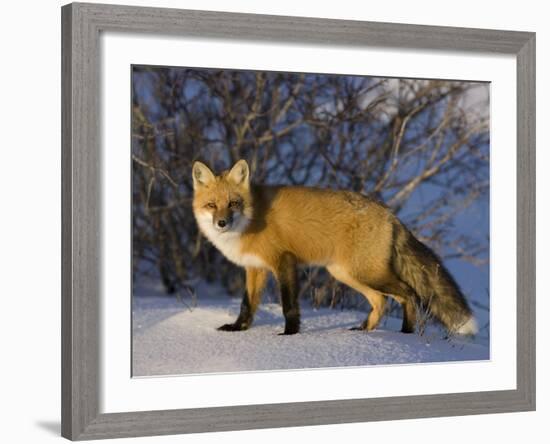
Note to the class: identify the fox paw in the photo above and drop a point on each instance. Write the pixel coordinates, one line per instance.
(292, 330)
(360, 328)
(232, 327)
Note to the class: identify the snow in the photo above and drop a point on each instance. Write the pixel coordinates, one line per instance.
(172, 337)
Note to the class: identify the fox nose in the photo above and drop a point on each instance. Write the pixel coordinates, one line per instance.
(222, 223)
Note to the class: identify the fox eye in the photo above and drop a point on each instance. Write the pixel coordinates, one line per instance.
(211, 205)
(233, 204)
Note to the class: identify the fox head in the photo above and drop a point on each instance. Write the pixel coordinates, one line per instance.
(222, 203)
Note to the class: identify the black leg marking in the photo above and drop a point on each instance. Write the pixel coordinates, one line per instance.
(243, 320)
(255, 283)
(288, 282)
(362, 327)
(291, 309)
(409, 317)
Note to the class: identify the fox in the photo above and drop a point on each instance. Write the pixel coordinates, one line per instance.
(269, 229)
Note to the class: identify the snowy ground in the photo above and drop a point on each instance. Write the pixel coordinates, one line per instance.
(171, 338)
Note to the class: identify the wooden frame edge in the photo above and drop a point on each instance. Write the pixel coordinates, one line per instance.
(81, 24)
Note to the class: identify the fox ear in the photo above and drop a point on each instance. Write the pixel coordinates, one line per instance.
(202, 175)
(240, 173)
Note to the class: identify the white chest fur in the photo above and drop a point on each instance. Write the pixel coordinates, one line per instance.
(229, 243)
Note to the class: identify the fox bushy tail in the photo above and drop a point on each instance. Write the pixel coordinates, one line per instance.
(437, 291)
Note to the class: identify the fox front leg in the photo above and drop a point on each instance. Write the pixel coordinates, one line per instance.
(255, 283)
(288, 284)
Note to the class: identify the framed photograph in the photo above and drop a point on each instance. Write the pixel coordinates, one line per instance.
(279, 221)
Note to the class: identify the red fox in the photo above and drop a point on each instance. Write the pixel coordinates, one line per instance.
(359, 241)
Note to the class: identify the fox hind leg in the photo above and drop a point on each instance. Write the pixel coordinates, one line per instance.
(377, 302)
(409, 317)
(375, 294)
(376, 299)
(406, 296)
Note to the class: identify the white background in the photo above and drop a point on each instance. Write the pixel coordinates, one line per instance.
(30, 219)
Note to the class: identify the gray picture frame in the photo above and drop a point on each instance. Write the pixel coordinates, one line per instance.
(81, 232)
